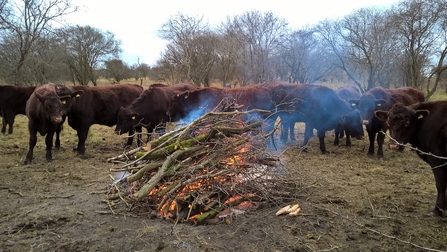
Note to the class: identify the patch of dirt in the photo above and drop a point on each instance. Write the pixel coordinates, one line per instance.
(349, 202)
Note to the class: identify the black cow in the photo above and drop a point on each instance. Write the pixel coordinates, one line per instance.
(150, 109)
(100, 105)
(424, 126)
(318, 107)
(13, 102)
(346, 93)
(379, 98)
(45, 108)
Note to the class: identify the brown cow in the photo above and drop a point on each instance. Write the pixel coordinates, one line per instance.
(150, 109)
(317, 106)
(45, 108)
(379, 98)
(424, 126)
(100, 105)
(190, 105)
(13, 102)
(346, 93)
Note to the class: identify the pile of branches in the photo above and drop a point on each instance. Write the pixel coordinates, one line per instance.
(216, 165)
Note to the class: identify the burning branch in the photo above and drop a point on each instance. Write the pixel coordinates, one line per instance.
(193, 173)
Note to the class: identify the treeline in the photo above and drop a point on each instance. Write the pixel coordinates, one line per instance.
(403, 45)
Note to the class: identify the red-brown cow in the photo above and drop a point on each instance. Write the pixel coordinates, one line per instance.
(379, 98)
(100, 105)
(13, 102)
(317, 106)
(150, 109)
(346, 93)
(424, 126)
(190, 105)
(46, 108)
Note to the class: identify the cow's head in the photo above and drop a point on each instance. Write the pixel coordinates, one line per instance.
(51, 107)
(366, 105)
(352, 124)
(183, 104)
(67, 96)
(126, 121)
(402, 122)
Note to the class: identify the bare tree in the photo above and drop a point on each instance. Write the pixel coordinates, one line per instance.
(140, 71)
(258, 35)
(305, 58)
(23, 25)
(440, 65)
(117, 70)
(418, 24)
(191, 48)
(86, 48)
(363, 44)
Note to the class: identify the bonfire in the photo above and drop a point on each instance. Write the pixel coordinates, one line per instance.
(211, 169)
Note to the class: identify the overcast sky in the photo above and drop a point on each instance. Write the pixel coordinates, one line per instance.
(135, 22)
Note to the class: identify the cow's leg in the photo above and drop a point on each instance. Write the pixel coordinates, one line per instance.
(372, 137)
(338, 131)
(292, 131)
(3, 124)
(441, 186)
(321, 134)
(130, 138)
(3, 120)
(32, 143)
(49, 144)
(9, 118)
(380, 141)
(82, 137)
(308, 133)
(348, 141)
(57, 143)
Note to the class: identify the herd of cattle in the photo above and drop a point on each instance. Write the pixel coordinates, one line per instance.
(401, 111)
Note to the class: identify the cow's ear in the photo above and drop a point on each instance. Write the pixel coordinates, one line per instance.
(354, 103)
(380, 103)
(422, 113)
(381, 115)
(65, 99)
(134, 116)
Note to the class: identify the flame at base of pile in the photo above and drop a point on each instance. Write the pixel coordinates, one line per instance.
(216, 164)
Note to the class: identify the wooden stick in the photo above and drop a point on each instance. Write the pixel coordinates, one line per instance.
(145, 189)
